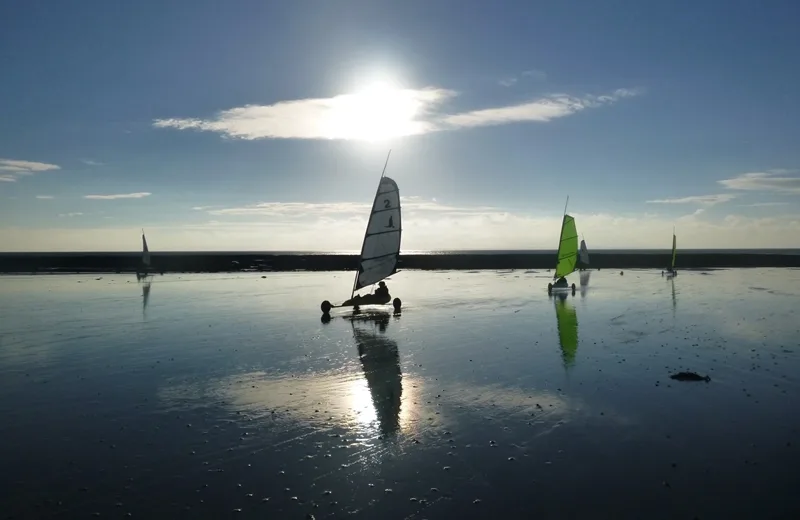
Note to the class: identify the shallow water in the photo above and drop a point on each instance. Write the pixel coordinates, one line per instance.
(208, 395)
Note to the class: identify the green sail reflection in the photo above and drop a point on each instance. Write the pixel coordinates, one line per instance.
(567, 330)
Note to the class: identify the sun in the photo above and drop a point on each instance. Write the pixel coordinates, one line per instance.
(377, 112)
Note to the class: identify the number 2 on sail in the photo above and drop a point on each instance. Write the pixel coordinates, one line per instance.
(387, 204)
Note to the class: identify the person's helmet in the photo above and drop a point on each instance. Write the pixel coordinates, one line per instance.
(381, 284)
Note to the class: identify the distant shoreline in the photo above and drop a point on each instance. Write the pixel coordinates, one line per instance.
(246, 261)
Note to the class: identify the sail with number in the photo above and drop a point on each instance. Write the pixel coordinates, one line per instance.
(567, 248)
(674, 250)
(381, 247)
(584, 253)
(145, 252)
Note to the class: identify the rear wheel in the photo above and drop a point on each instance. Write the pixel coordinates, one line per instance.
(549, 288)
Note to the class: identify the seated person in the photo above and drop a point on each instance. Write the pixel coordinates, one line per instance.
(382, 290)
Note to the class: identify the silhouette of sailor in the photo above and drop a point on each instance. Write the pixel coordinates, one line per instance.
(391, 222)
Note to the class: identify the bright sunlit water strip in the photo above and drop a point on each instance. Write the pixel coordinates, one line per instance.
(202, 396)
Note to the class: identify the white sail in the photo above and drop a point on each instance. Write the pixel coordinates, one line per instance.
(145, 252)
(584, 253)
(381, 247)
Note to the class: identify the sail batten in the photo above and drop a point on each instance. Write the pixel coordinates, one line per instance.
(381, 246)
(567, 248)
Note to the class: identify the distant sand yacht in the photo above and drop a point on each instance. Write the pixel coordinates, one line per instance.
(670, 271)
(567, 254)
(144, 268)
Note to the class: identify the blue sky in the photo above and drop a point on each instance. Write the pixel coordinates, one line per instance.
(242, 125)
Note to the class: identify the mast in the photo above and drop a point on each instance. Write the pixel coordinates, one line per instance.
(364, 242)
(561, 232)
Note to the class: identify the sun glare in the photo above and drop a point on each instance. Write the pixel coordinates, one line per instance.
(378, 112)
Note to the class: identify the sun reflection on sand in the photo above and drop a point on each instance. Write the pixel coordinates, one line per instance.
(322, 400)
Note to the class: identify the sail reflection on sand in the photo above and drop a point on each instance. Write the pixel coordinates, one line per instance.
(145, 296)
(584, 281)
(567, 329)
(380, 361)
(674, 299)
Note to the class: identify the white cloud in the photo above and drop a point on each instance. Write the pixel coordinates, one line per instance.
(707, 200)
(137, 195)
(773, 180)
(73, 214)
(11, 170)
(45, 197)
(90, 162)
(348, 116)
(379, 114)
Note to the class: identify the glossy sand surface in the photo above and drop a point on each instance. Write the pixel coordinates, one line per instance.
(203, 396)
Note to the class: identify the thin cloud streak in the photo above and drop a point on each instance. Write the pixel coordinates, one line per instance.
(538, 75)
(12, 169)
(73, 214)
(541, 110)
(90, 162)
(510, 81)
(432, 231)
(45, 197)
(391, 114)
(707, 200)
(765, 204)
(137, 195)
(305, 210)
(507, 82)
(773, 180)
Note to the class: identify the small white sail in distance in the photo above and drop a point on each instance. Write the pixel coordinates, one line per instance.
(584, 253)
(145, 251)
(381, 247)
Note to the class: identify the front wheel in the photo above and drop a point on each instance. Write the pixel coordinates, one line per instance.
(326, 307)
(397, 304)
(549, 288)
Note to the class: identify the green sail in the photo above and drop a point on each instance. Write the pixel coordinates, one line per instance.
(674, 250)
(567, 331)
(567, 248)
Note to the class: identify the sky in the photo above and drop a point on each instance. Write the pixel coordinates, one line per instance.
(252, 125)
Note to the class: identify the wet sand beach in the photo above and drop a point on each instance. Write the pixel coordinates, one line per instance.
(222, 396)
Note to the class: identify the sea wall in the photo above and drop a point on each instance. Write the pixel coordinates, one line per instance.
(216, 262)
